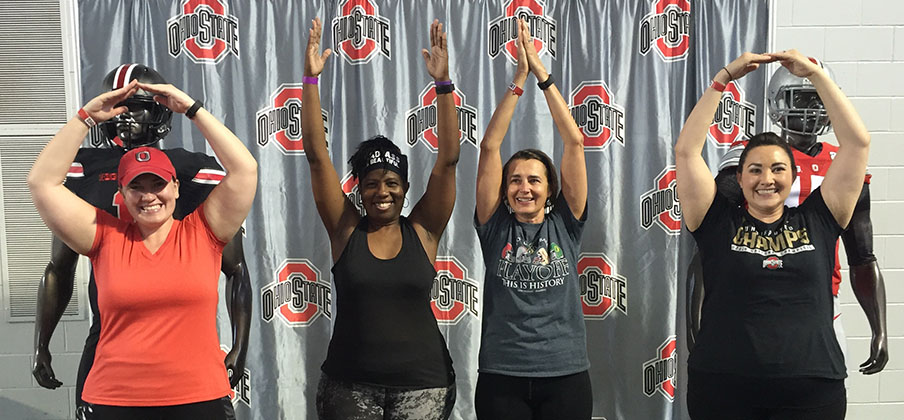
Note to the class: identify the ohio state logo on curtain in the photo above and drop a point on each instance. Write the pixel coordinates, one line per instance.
(205, 31)
(660, 373)
(598, 117)
(299, 295)
(502, 32)
(360, 33)
(602, 288)
(666, 30)
(280, 120)
(660, 205)
(454, 295)
(735, 118)
(421, 121)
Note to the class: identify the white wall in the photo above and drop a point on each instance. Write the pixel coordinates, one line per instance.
(863, 42)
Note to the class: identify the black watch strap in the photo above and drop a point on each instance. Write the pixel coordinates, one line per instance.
(546, 83)
(193, 109)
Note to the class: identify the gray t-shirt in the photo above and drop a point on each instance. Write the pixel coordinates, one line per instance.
(532, 320)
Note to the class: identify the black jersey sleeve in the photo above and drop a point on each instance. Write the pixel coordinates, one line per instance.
(198, 174)
(92, 177)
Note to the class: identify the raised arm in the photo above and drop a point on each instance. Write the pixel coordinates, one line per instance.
(574, 168)
(433, 210)
(695, 183)
(229, 202)
(489, 163)
(54, 293)
(68, 216)
(338, 214)
(238, 306)
(844, 178)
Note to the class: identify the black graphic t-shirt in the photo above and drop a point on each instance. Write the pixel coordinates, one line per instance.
(767, 311)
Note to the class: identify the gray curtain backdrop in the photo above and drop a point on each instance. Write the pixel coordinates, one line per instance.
(631, 70)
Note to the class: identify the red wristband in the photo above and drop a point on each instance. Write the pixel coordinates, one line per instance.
(717, 86)
(515, 89)
(83, 115)
(309, 80)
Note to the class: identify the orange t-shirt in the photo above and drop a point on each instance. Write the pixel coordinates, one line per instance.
(158, 339)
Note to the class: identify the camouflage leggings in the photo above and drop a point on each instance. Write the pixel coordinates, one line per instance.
(354, 401)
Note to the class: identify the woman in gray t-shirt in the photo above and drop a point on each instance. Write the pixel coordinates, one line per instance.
(533, 355)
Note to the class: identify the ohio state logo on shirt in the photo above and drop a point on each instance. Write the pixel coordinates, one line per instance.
(597, 115)
(454, 295)
(299, 295)
(660, 205)
(660, 372)
(421, 121)
(666, 29)
(350, 188)
(602, 289)
(280, 120)
(360, 33)
(734, 119)
(772, 263)
(242, 390)
(503, 30)
(204, 30)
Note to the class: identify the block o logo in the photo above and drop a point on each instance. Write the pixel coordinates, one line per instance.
(667, 29)
(598, 117)
(734, 119)
(298, 296)
(280, 121)
(660, 205)
(360, 33)
(602, 290)
(205, 31)
(421, 121)
(660, 372)
(453, 295)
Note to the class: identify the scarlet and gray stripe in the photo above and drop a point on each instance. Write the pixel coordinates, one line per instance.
(76, 170)
(123, 75)
(209, 176)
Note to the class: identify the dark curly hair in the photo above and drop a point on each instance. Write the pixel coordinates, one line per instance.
(360, 158)
(525, 154)
(767, 139)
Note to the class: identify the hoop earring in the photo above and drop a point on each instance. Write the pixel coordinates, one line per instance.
(405, 204)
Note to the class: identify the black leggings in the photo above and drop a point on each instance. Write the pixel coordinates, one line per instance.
(205, 410)
(502, 397)
(724, 396)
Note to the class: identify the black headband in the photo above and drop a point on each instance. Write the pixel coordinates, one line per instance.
(387, 160)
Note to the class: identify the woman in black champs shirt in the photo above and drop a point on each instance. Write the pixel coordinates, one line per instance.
(766, 348)
(387, 358)
(533, 353)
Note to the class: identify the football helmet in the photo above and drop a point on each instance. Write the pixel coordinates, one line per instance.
(794, 104)
(146, 122)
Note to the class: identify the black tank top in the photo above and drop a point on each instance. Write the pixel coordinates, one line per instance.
(385, 332)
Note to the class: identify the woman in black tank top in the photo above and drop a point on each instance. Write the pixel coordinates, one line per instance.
(387, 358)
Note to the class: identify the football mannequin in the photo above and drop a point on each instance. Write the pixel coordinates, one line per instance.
(795, 107)
(92, 176)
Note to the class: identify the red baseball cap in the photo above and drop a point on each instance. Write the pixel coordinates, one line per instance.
(144, 160)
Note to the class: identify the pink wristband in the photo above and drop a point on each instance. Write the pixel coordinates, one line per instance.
(309, 80)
